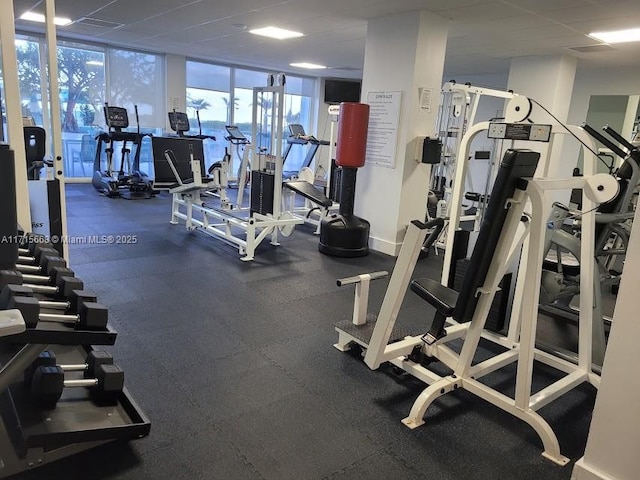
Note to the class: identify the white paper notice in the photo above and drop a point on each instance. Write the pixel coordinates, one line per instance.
(426, 95)
(384, 115)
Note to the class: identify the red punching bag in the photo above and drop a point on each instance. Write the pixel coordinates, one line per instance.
(352, 135)
(346, 235)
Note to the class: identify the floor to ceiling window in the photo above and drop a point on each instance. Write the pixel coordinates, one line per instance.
(208, 99)
(82, 84)
(89, 76)
(209, 87)
(136, 80)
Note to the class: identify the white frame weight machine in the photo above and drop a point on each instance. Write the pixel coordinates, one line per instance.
(237, 225)
(384, 342)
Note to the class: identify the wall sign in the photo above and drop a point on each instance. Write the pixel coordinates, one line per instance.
(384, 116)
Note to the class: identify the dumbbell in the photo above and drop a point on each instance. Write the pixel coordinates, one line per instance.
(48, 383)
(43, 263)
(29, 244)
(63, 283)
(26, 255)
(48, 359)
(73, 303)
(90, 315)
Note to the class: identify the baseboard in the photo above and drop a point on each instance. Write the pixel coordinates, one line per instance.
(384, 246)
(582, 471)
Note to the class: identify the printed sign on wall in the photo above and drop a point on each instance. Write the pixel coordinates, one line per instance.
(384, 115)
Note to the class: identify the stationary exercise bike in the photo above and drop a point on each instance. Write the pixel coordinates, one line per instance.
(130, 183)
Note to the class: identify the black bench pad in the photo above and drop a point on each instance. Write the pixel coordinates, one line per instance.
(310, 192)
(442, 298)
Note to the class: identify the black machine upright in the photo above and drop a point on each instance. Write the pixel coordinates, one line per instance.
(128, 181)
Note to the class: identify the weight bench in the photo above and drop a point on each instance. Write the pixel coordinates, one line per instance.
(308, 191)
(461, 305)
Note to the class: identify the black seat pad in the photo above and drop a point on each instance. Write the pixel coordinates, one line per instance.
(442, 298)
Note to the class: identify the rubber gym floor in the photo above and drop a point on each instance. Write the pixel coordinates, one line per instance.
(233, 363)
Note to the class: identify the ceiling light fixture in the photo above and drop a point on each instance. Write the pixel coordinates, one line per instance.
(38, 17)
(96, 63)
(617, 36)
(277, 33)
(310, 66)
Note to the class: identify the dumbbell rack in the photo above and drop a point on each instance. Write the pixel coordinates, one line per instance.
(30, 436)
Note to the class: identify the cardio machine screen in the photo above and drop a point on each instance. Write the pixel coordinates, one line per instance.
(117, 117)
(235, 133)
(179, 121)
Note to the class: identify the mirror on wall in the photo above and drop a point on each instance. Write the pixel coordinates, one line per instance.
(621, 112)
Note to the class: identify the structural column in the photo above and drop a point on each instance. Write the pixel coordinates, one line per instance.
(548, 80)
(614, 436)
(14, 109)
(404, 53)
(176, 75)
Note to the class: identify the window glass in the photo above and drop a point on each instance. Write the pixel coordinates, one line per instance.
(137, 79)
(82, 86)
(208, 97)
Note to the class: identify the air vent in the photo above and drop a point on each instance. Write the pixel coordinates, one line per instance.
(592, 48)
(96, 22)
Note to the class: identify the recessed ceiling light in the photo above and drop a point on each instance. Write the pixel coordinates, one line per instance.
(275, 32)
(311, 66)
(38, 17)
(618, 36)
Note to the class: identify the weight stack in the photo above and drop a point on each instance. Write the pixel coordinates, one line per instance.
(262, 185)
(498, 311)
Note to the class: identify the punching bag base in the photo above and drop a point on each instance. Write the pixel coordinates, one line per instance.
(344, 236)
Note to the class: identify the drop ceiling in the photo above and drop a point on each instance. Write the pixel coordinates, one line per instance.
(483, 36)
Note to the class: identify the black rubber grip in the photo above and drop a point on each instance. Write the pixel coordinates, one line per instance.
(605, 141)
(618, 138)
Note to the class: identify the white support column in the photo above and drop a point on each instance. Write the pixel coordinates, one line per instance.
(548, 80)
(614, 438)
(403, 53)
(14, 110)
(56, 127)
(176, 80)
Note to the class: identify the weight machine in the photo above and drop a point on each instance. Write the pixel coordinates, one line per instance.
(461, 315)
(244, 228)
(459, 106)
(516, 127)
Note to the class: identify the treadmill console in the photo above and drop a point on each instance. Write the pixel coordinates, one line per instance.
(296, 130)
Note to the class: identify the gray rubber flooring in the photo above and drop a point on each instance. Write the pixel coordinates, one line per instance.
(233, 363)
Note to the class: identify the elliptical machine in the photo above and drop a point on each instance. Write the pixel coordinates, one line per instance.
(130, 183)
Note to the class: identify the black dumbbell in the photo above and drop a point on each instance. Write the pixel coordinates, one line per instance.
(47, 260)
(90, 315)
(30, 244)
(89, 367)
(72, 304)
(63, 286)
(41, 250)
(48, 383)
